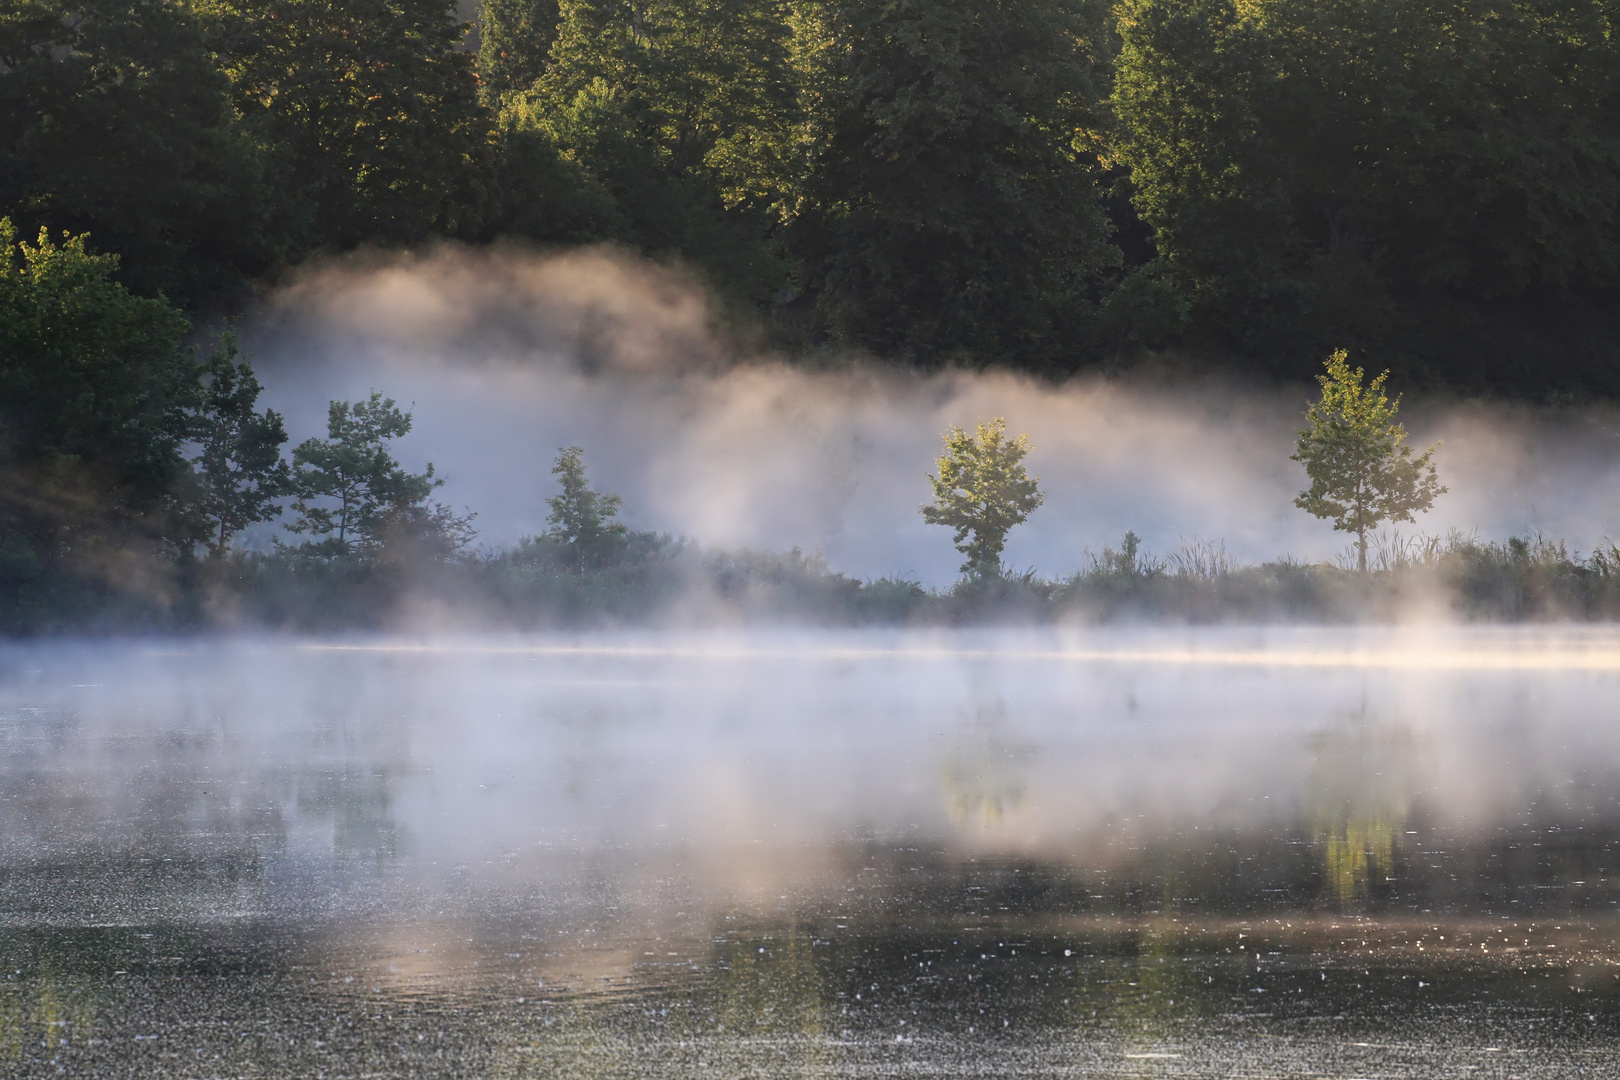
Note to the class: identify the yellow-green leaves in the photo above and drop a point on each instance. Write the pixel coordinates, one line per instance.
(1362, 472)
(982, 491)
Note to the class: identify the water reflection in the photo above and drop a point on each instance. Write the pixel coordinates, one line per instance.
(1359, 788)
(809, 856)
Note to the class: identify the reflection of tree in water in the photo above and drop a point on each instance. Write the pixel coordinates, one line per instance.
(770, 986)
(359, 803)
(763, 1013)
(44, 1007)
(1151, 1005)
(1358, 798)
(984, 771)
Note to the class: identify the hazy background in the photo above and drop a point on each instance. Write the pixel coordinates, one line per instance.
(504, 356)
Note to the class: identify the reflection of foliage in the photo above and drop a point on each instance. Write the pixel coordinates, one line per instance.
(984, 791)
(770, 986)
(983, 775)
(572, 1042)
(38, 1013)
(1356, 851)
(1160, 978)
(1358, 802)
(360, 807)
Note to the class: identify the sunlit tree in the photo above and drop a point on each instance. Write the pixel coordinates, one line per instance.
(982, 490)
(1362, 472)
(95, 388)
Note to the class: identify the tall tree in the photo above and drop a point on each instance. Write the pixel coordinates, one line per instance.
(349, 486)
(583, 521)
(372, 105)
(115, 121)
(241, 476)
(981, 491)
(951, 210)
(1319, 168)
(1362, 472)
(514, 37)
(682, 110)
(95, 393)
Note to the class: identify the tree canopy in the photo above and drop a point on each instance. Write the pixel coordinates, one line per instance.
(582, 520)
(349, 486)
(981, 490)
(1052, 185)
(1361, 469)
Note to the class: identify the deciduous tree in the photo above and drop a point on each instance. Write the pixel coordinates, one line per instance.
(1362, 472)
(115, 120)
(981, 491)
(370, 104)
(951, 208)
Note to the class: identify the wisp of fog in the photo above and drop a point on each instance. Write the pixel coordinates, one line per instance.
(506, 355)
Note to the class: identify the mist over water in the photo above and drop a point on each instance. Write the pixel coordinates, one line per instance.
(1147, 852)
(507, 356)
(1271, 852)
(1058, 747)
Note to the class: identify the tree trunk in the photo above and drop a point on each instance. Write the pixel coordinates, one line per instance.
(1361, 544)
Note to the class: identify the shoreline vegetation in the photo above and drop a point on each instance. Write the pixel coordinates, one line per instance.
(658, 580)
(1050, 187)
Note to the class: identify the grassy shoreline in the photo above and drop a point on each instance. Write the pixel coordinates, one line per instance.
(656, 580)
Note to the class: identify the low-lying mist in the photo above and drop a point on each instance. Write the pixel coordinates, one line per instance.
(789, 764)
(506, 355)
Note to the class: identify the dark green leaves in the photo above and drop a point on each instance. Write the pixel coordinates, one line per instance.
(240, 475)
(952, 209)
(349, 485)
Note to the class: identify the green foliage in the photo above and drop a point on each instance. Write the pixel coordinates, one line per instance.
(114, 120)
(981, 491)
(1362, 472)
(950, 209)
(682, 112)
(94, 398)
(350, 488)
(239, 469)
(544, 195)
(704, 82)
(371, 107)
(94, 389)
(1146, 308)
(582, 521)
(1328, 170)
(514, 37)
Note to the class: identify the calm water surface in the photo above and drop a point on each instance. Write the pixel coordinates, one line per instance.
(1124, 854)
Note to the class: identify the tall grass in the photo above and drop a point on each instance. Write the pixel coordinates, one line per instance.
(662, 580)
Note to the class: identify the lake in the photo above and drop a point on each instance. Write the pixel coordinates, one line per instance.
(792, 853)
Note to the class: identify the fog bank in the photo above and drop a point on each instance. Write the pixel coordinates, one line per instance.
(506, 356)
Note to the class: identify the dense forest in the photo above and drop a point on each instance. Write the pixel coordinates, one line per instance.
(1053, 186)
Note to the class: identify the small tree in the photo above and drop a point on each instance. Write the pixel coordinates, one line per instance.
(240, 472)
(582, 520)
(1355, 454)
(982, 491)
(349, 486)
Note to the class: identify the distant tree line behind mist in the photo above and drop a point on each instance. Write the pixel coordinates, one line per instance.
(1053, 185)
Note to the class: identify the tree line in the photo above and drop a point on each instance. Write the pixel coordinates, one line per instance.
(132, 463)
(1049, 184)
(126, 456)
(1355, 454)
